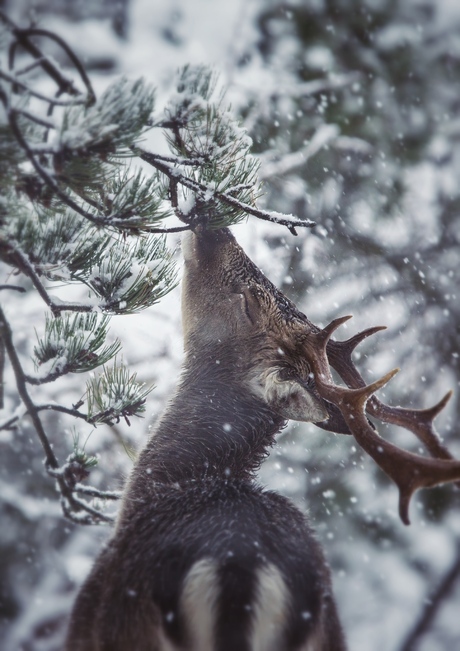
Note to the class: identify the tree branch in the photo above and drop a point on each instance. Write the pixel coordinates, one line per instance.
(23, 264)
(16, 288)
(95, 492)
(176, 176)
(71, 504)
(64, 84)
(110, 220)
(432, 606)
(7, 337)
(35, 93)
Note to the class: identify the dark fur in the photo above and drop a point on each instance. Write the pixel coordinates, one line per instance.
(192, 496)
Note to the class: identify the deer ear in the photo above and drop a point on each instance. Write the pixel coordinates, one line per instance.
(290, 399)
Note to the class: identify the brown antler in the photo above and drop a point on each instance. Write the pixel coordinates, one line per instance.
(418, 421)
(409, 471)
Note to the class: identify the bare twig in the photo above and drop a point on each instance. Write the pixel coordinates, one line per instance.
(95, 492)
(51, 377)
(9, 423)
(97, 516)
(16, 288)
(194, 162)
(35, 93)
(30, 66)
(432, 606)
(65, 85)
(38, 120)
(75, 413)
(124, 224)
(107, 416)
(92, 516)
(63, 410)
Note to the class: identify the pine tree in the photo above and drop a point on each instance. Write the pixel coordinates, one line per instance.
(78, 208)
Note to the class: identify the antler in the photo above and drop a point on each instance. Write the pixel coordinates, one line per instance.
(418, 421)
(409, 471)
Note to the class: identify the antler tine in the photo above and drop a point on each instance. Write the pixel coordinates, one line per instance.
(361, 395)
(340, 352)
(409, 471)
(324, 335)
(350, 344)
(418, 421)
(327, 332)
(318, 340)
(320, 349)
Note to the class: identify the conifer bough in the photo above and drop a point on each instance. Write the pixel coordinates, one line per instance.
(78, 206)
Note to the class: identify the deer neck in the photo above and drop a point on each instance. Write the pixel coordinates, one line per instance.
(214, 427)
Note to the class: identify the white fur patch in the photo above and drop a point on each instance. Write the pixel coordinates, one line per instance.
(287, 397)
(270, 610)
(198, 603)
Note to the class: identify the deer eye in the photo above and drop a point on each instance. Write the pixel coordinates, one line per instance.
(287, 373)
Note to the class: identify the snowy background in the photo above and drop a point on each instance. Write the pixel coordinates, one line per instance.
(354, 109)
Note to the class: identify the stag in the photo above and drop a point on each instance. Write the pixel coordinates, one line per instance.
(203, 558)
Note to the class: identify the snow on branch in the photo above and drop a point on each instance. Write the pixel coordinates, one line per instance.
(77, 207)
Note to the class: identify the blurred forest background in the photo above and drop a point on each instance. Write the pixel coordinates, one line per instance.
(354, 110)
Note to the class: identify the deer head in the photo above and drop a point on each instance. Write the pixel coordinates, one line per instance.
(285, 360)
(226, 299)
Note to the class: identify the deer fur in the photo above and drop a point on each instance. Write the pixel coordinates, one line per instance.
(203, 558)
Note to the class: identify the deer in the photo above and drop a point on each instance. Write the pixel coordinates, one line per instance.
(202, 557)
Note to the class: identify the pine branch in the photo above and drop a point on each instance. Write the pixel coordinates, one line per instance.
(71, 504)
(42, 172)
(73, 345)
(114, 395)
(83, 215)
(24, 265)
(175, 176)
(111, 220)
